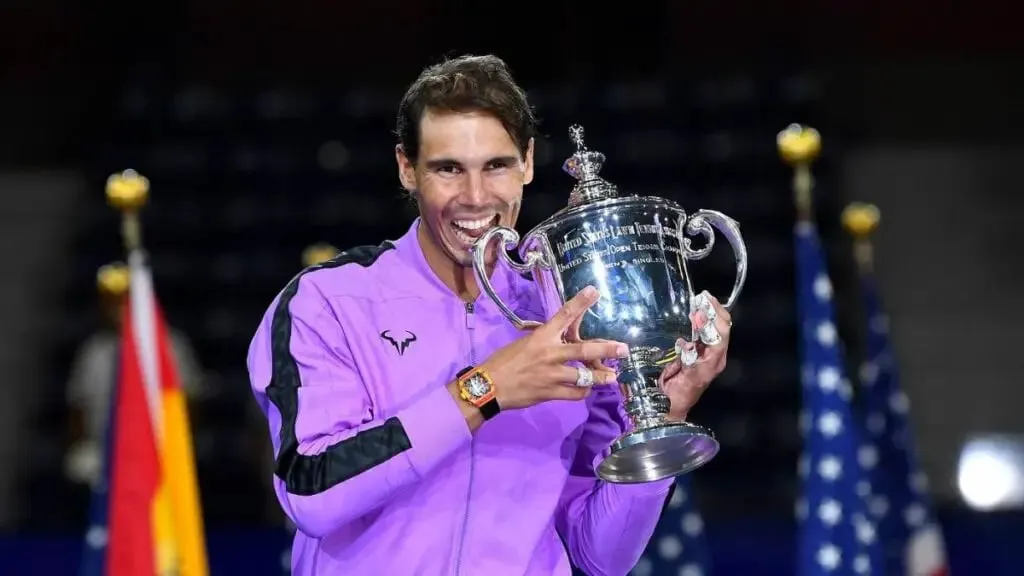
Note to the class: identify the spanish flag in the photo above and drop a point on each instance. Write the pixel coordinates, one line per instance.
(154, 519)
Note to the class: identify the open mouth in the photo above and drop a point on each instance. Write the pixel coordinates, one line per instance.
(469, 231)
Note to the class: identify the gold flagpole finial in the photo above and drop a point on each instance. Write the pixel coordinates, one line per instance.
(799, 146)
(861, 220)
(113, 279)
(128, 191)
(318, 254)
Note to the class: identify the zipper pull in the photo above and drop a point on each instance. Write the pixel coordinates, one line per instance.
(469, 315)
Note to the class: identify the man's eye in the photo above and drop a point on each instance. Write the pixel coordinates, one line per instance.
(449, 170)
(498, 165)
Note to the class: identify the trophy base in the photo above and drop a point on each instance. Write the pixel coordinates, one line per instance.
(658, 452)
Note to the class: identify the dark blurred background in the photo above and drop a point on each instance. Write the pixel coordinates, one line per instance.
(265, 127)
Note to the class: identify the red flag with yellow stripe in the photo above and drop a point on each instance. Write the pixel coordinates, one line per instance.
(156, 523)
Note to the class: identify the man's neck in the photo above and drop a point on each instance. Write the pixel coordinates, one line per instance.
(459, 279)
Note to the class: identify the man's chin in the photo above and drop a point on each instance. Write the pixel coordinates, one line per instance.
(466, 260)
(465, 257)
(460, 254)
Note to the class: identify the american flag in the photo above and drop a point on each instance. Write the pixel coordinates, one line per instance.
(837, 536)
(94, 547)
(907, 527)
(286, 554)
(678, 546)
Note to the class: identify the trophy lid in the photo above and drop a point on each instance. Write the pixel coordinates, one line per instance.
(584, 166)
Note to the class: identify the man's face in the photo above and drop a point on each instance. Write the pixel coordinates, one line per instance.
(469, 177)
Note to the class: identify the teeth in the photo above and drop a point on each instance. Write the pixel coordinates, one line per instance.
(473, 224)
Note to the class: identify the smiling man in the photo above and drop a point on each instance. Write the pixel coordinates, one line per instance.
(415, 430)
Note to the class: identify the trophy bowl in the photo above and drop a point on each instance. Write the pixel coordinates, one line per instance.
(634, 250)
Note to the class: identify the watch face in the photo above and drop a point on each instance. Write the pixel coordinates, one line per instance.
(477, 385)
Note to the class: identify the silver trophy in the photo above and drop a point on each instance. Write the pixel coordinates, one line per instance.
(634, 251)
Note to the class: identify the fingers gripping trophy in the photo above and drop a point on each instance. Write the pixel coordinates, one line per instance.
(634, 250)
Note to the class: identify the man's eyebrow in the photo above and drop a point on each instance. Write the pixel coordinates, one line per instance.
(443, 162)
(503, 160)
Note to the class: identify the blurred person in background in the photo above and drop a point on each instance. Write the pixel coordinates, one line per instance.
(416, 431)
(94, 374)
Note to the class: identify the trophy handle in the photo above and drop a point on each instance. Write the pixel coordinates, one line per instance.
(509, 240)
(703, 223)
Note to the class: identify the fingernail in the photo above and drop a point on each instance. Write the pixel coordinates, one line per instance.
(684, 348)
(589, 291)
(710, 335)
(688, 355)
(700, 300)
(622, 350)
(700, 319)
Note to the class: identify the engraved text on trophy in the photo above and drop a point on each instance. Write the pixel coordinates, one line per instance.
(618, 245)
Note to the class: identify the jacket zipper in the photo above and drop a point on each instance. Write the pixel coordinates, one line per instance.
(472, 443)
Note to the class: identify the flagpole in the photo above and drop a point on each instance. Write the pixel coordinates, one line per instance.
(836, 535)
(177, 544)
(860, 221)
(128, 192)
(799, 146)
(907, 521)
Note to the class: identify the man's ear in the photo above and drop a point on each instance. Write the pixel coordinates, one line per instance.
(406, 169)
(528, 163)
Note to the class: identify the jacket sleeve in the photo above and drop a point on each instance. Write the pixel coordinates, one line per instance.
(337, 456)
(606, 526)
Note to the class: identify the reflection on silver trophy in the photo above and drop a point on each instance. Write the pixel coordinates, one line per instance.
(634, 250)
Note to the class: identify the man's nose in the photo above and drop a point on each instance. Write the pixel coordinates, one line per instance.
(474, 194)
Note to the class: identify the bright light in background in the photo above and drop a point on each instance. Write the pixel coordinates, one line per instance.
(991, 473)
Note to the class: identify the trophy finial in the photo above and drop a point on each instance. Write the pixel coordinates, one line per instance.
(576, 136)
(584, 166)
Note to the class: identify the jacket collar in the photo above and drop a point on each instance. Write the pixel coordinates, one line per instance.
(509, 284)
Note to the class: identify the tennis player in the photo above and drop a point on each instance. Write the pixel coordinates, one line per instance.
(416, 431)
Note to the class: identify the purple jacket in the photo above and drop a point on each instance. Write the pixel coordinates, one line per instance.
(375, 463)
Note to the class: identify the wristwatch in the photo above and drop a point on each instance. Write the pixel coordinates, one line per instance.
(477, 388)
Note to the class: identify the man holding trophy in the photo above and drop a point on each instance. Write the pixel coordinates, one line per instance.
(421, 428)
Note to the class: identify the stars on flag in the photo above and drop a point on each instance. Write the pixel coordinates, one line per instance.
(678, 547)
(836, 530)
(899, 502)
(96, 537)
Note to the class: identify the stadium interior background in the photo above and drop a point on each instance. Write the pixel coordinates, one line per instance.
(264, 129)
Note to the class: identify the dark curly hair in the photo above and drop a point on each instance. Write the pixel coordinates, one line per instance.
(466, 83)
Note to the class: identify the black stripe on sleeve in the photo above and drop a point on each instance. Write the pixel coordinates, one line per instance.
(307, 475)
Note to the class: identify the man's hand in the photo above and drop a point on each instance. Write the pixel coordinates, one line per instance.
(684, 380)
(535, 368)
